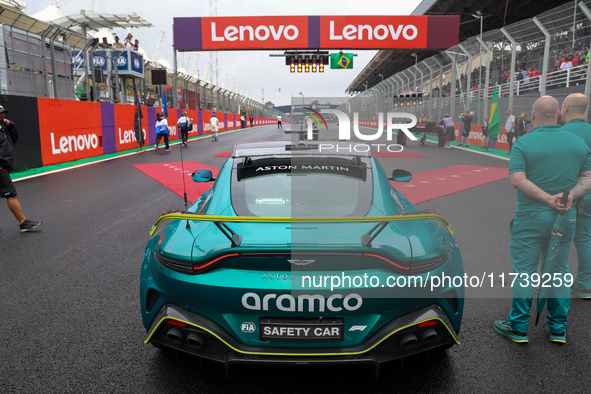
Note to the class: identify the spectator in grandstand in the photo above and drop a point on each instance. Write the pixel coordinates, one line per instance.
(105, 42)
(161, 131)
(543, 164)
(128, 44)
(466, 119)
(8, 137)
(485, 134)
(118, 44)
(510, 129)
(572, 113)
(136, 45)
(577, 59)
(587, 54)
(566, 63)
(449, 129)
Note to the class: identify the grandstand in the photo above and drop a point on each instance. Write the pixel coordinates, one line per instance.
(545, 53)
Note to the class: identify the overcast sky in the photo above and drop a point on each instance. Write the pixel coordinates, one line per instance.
(254, 70)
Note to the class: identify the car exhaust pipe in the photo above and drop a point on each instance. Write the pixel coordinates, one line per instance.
(196, 340)
(428, 335)
(407, 341)
(175, 335)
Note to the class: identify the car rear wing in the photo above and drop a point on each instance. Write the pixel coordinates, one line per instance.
(383, 220)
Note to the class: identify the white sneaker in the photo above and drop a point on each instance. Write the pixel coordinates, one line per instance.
(155, 148)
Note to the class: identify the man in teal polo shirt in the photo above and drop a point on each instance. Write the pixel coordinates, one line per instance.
(544, 163)
(572, 112)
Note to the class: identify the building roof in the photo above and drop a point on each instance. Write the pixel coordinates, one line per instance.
(77, 22)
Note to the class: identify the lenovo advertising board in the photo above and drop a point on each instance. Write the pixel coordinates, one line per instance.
(315, 32)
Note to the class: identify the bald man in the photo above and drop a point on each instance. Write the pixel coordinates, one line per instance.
(572, 113)
(543, 164)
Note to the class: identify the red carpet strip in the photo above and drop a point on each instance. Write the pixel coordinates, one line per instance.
(429, 185)
(170, 175)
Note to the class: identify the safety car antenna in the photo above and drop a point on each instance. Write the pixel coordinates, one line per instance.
(184, 184)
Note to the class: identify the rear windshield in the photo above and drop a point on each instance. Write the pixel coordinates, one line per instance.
(301, 187)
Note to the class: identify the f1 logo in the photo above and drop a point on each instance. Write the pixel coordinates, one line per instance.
(357, 328)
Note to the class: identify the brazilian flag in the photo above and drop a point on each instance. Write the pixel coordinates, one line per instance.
(494, 123)
(341, 61)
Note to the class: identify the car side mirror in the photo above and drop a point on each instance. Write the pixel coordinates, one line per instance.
(202, 176)
(401, 176)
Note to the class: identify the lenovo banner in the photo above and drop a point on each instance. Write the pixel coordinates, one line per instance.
(315, 32)
(69, 130)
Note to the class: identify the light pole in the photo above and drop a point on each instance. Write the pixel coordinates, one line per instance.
(416, 60)
(479, 16)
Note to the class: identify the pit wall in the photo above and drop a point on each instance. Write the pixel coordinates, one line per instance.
(53, 131)
(475, 138)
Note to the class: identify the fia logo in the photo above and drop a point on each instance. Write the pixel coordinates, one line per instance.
(248, 327)
(122, 61)
(136, 63)
(99, 61)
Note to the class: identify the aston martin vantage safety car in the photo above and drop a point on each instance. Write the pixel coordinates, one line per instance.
(301, 253)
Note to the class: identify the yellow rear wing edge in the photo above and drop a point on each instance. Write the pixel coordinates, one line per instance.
(254, 219)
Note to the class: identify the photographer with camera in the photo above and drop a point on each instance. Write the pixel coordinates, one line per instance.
(8, 137)
(466, 119)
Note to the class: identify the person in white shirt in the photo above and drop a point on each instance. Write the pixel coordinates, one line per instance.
(184, 125)
(279, 126)
(128, 44)
(510, 128)
(161, 131)
(215, 124)
(566, 64)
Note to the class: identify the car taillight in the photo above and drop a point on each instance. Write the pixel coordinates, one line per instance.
(210, 263)
(417, 266)
(428, 323)
(187, 267)
(397, 265)
(176, 323)
(430, 264)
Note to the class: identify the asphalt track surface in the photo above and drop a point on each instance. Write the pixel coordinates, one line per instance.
(70, 293)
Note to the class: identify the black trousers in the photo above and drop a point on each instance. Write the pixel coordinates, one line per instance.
(159, 137)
